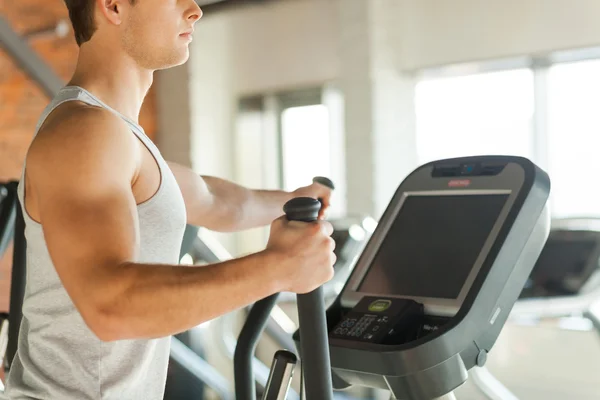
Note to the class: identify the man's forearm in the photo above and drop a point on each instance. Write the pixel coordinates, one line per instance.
(150, 301)
(242, 208)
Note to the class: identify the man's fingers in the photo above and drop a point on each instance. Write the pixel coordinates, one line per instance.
(326, 227)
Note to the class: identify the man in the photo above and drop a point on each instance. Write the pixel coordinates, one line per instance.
(105, 216)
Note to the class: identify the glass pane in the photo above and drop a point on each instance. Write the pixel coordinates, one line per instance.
(305, 145)
(574, 138)
(482, 114)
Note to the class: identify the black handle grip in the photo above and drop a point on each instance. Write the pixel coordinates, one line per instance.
(305, 209)
(324, 181)
(314, 343)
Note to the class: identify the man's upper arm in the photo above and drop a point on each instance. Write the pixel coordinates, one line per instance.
(198, 199)
(81, 180)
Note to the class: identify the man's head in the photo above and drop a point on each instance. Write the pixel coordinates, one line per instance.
(152, 32)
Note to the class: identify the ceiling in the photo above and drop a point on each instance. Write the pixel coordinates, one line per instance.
(218, 5)
(208, 2)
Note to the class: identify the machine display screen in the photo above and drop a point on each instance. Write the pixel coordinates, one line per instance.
(432, 245)
(564, 257)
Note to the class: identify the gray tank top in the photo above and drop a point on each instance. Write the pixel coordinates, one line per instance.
(58, 356)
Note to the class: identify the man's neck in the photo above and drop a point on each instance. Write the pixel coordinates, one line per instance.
(117, 81)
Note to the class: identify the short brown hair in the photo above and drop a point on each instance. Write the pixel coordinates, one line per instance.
(81, 13)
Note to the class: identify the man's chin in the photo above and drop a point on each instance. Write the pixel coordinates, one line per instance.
(175, 62)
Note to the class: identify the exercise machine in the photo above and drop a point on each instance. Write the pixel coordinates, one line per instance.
(431, 291)
(564, 283)
(569, 263)
(566, 280)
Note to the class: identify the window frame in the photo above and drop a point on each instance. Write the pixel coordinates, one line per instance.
(540, 66)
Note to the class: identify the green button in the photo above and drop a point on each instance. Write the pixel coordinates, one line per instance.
(380, 305)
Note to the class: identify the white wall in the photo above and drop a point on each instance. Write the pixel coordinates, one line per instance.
(174, 123)
(248, 50)
(290, 43)
(212, 98)
(284, 44)
(439, 32)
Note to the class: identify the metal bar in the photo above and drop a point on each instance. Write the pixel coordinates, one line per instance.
(540, 116)
(593, 314)
(7, 216)
(208, 249)
(449, 396)
(3, 334)
(28, 60)
(491, 387)
(17, 286)
(554, 306)
(228, 342)
(198, 367)
(245, 388)
(279, 335)
(189, 237)
(280, 378)
(314, 346)
(314, 340)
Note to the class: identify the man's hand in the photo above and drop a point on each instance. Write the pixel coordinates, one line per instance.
(316, 191)
(304, 254)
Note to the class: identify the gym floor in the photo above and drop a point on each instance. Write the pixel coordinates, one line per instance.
(545, 362)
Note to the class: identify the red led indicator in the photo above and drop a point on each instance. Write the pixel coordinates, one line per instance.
(459, 183)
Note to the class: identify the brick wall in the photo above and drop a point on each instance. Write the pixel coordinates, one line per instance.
(21, 101)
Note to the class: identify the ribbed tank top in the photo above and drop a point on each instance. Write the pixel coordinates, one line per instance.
(58, 356)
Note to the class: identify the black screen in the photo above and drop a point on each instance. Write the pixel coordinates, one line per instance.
(564, 256)
(432, 245)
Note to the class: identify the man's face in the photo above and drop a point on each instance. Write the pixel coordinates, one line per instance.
(156, 33)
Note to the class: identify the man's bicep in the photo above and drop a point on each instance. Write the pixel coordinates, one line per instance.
(88, 238)
(90, 228)
(82, 189)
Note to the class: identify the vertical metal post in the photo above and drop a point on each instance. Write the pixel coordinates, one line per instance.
(27, 59)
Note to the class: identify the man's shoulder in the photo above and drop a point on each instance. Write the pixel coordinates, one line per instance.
(76, 135)
(75, 122)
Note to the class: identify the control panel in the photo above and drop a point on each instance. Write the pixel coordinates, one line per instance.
(380, 320)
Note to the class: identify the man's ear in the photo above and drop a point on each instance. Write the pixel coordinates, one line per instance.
(112, 10)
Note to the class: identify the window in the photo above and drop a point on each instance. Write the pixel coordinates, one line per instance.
(282, 140)
(305, 145)
(494, 113)
(481, 114)
(574, 138)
